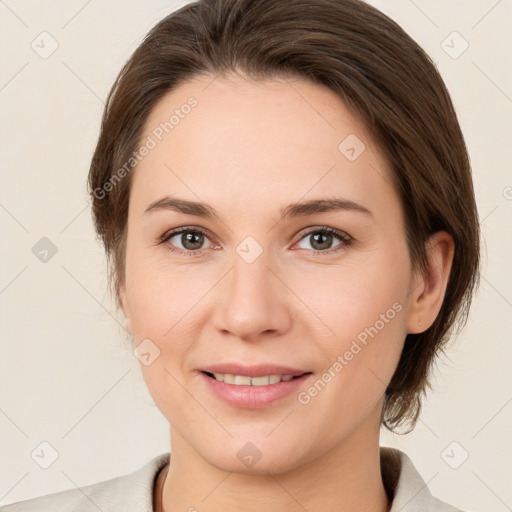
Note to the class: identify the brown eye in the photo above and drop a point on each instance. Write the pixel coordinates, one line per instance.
(191, 240)
(321, 240)
(186, 240)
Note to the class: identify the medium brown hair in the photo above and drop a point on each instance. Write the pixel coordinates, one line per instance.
(380, 73)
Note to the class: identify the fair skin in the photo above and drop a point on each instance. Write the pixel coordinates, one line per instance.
(249, 149)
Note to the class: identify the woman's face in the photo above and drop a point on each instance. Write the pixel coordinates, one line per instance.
(260, 285)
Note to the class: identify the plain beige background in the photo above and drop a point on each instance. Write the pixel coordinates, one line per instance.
(67, 377)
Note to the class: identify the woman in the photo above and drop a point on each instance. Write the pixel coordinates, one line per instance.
(285, 196)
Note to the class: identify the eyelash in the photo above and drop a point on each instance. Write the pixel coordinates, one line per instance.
(343, 237)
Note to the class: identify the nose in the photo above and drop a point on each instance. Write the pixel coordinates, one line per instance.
(253, 301)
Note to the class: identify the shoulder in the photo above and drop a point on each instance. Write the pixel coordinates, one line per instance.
(133, 491)
(403, 482)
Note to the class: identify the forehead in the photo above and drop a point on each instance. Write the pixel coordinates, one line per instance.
(292, 110)
(251, 140)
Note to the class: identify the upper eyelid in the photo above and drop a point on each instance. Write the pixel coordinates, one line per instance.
(304, 233)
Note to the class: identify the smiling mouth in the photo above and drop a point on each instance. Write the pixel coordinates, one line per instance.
(243, 380)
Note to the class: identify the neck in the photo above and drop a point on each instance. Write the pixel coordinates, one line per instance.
(347, 478)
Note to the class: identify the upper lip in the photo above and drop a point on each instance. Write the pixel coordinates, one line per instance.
(258, 370)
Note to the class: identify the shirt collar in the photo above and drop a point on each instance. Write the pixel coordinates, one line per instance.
(405, 487)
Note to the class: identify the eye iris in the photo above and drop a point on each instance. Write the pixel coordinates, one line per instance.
(187, 240)
(324, 245)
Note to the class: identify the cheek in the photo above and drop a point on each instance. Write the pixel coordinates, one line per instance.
(362, 312)
(348, 298)
(165, 321)
(163, 297)
(168, 314)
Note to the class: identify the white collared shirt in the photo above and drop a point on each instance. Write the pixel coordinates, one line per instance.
(133, 492)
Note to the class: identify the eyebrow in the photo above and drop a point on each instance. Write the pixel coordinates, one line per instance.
(293, 210)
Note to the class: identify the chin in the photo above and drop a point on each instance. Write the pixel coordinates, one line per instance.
(275, 465)
(258, 456)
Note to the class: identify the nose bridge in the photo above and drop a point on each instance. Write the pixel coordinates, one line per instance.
(252, 300)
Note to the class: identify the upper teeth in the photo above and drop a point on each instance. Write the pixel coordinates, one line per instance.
(242, 380)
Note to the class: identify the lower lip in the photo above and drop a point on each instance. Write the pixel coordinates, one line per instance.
(254, 397)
